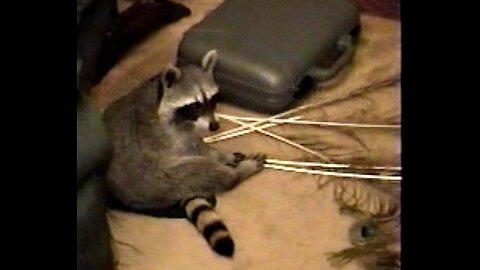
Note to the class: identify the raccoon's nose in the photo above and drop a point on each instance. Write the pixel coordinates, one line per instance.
(214, 126)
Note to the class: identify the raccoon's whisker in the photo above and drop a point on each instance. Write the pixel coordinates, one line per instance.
(283, 139)
(334, 174)
(312, 123)
(330, 165)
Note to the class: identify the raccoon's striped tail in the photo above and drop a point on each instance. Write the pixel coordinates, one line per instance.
(202, 215)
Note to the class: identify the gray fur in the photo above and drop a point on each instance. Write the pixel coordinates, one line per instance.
(158, 161)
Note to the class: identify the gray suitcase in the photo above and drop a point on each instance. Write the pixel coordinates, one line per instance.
(272, 51)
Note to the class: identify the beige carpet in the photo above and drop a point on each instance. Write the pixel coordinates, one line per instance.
(279, 220)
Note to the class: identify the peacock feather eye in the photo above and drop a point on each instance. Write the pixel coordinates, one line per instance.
(364, 232)
(367, 232)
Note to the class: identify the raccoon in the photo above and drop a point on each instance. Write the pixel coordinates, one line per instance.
(160, 164)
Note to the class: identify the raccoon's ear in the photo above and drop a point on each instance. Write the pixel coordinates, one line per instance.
(171, 75)
(209, 61)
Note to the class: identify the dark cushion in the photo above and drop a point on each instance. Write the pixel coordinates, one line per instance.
(266, 48)
(93, 152)
(93, 234)
(93, 20)
(93, 148)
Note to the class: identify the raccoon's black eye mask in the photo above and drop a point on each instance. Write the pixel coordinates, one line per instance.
(213, 102)
(191, 111)
(196, 109)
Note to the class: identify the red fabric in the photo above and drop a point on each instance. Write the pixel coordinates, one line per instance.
(382, 8)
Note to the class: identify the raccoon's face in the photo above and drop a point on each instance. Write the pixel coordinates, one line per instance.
(190, 95)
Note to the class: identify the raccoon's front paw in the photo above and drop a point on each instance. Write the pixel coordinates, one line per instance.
(235, 159)
(251, 164)
(259, 157)
(239, 157)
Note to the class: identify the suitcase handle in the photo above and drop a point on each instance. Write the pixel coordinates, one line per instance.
(346, 47)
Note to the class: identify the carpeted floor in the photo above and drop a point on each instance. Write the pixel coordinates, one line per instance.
(279, 220)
